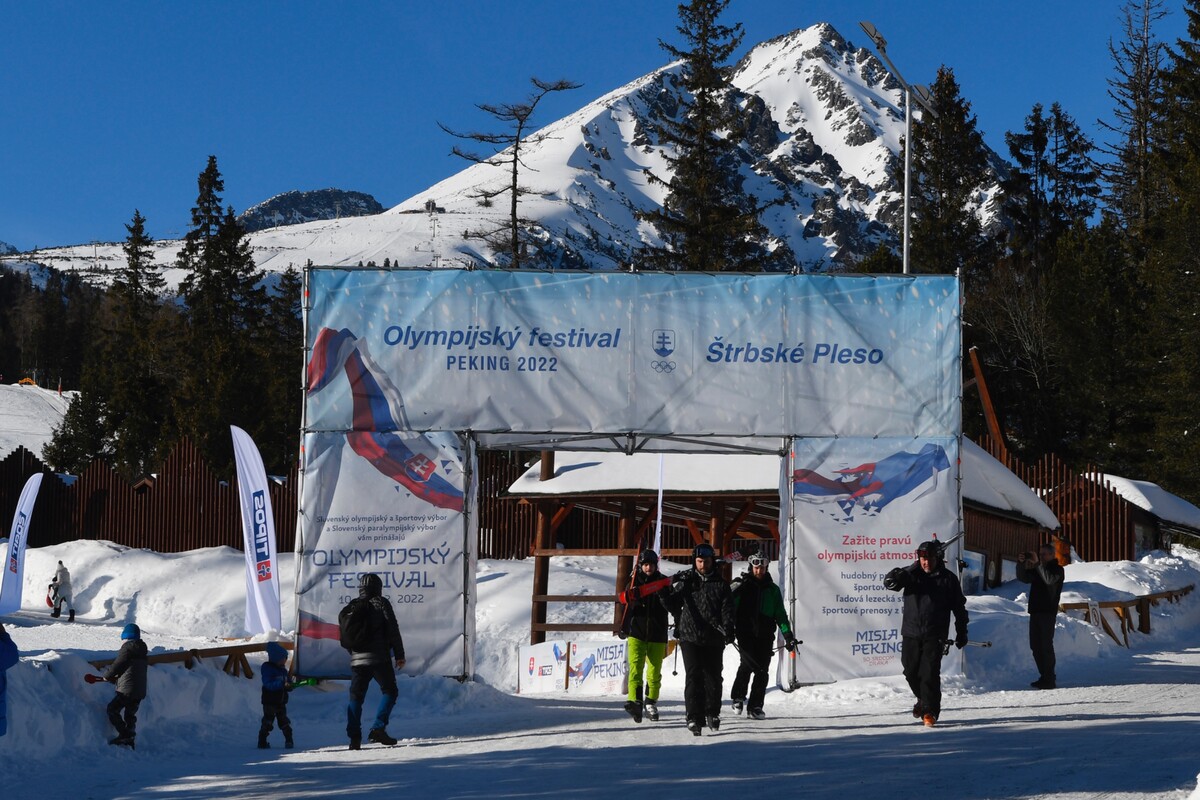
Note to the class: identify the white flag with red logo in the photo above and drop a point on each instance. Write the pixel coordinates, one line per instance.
(14, 562)
(258, 534)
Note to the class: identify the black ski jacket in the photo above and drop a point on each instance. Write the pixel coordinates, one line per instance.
(929, 599)
(703, 608)
(1045, 585)
(385, 634)
(647, 618)
(758, 607)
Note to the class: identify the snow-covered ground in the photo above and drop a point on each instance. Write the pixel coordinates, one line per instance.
(1122, 725)
(28, 417)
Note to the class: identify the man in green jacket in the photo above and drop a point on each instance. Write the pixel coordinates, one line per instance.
(758, 605)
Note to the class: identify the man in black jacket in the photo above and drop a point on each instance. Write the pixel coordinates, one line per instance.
(703, 607)
(374, 662)
(1045, 578)
(931, 594)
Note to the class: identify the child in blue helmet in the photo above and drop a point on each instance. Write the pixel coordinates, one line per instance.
(275, 695)
(128, 672)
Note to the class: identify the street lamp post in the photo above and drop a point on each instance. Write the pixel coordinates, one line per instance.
(922, 97)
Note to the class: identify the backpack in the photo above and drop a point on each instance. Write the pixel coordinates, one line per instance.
(354, 624)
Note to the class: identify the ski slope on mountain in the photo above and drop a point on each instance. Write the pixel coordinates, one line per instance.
(1119, 726)
(29, 415)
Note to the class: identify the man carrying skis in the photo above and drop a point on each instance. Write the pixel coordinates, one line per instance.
(373, 661)
(758, 608)
(931, 594)
(128, 672)
(646, 641)
(703, 607)
(1045, 578)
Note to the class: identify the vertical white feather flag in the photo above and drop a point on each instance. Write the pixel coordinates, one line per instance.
(14, 564)
(258, 536)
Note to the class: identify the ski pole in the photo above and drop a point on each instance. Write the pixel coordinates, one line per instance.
(946, 643)
(675, 666)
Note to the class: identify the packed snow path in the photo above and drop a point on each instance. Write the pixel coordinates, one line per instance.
(1116, 739)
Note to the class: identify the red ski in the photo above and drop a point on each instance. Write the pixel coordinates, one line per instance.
(635, 593)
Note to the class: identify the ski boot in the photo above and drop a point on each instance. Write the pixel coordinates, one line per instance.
(756, 713)
(634, 709)
(651, 710)
(262, 741)
(930, 720)
(694, 725)
(356, 744)
(71, 616)
(918, 711)
(737, 705)
(714, 723)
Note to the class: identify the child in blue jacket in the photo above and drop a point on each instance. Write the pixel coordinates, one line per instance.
(275, 695)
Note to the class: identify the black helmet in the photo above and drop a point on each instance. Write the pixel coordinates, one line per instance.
(370, 585)
(704, 551)
(647, 557)
(932, 548)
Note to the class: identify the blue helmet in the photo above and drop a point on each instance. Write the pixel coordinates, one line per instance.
(131, 631)
(276, 654)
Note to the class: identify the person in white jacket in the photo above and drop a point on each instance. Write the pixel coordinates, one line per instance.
(60, 590)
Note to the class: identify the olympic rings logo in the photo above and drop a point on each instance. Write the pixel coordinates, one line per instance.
(665, 367)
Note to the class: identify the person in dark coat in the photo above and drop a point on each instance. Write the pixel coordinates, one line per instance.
(275, 687)
(8, 659)
(758, 608)
(646, 638)
(702, 604)
(375, 662)
(128, 672)
(931, 594)
(1045, 577)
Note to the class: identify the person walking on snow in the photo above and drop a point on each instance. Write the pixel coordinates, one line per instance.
(931, 594)
(60, 592)
(758, 608)
(275, 695)
(374, 662)
(8, 659)
(128, 672)
(1045, 578)
(646, 643)
(703, 607)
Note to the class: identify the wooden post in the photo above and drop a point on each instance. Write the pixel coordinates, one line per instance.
(989, 411)
(541, 564)
(626, 538)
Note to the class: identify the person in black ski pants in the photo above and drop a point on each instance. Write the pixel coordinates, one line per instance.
(374, 662)
(758, 607)
(1045, 578)
(128, 672)
(702, 604)
(931, 594)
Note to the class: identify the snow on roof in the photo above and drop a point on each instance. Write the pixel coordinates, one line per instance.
(1155, 499)
(985, 480)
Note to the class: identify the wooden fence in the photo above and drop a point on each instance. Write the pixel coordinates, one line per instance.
(1095, 519)
(183, 507)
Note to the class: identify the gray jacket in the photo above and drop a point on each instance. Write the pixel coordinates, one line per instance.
(128, 671)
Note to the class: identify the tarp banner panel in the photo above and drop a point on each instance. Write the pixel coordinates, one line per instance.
(860, 507)
(653, 353)
(392, 504)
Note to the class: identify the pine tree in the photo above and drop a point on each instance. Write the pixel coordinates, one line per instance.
(706, 222)
(949, 166)
(221, 385)
(1173, 269)
(508, 147)
(81, 437)
(138, 395)
(281, 339)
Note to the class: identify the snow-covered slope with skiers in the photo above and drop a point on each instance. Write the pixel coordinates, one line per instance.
(823, 127)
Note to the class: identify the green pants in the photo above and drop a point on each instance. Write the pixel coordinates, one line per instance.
(651, 654)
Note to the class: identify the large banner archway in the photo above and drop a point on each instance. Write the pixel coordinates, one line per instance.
(408, 369)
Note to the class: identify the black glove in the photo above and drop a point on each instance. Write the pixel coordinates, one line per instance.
(893, 580)
(960, 641)
(789, 642)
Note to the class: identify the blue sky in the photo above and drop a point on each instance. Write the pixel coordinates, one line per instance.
(108, 107)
